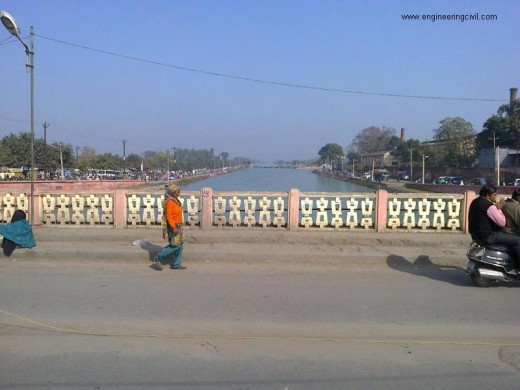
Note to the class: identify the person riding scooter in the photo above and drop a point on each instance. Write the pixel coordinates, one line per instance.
(511, 210)
(486, 221)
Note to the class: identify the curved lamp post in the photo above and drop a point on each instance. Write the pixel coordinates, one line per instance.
(10, 24)
(61, 159)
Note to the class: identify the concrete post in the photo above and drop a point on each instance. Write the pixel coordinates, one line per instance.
(469, 196)
(293, 208)
(120, 209)
(381, 210)
(206, 196)
(37, 210)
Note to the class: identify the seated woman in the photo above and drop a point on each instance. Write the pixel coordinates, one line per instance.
(16, 233)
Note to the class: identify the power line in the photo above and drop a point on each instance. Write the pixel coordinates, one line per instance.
(7, 40)
(265, 81)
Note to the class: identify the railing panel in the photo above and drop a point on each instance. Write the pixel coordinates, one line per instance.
(337, 210)
(146, 209)
(425, 212)
(79, 209)
(250, 209)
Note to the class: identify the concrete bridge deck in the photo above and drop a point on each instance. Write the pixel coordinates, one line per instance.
(250, 246)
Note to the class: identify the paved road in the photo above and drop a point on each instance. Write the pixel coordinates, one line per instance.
(93, 325)
(249, 246)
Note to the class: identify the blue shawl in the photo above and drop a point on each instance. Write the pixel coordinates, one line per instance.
(19, 232)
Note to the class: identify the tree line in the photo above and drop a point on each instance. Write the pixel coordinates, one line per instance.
(15, 152)
(455, 142)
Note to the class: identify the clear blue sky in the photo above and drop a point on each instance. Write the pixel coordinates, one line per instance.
(95, 99)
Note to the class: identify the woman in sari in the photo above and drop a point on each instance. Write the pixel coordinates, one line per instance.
(17, 233)
(174, 233)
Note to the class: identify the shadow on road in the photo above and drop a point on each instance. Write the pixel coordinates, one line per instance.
(423, 266)
(152, 249)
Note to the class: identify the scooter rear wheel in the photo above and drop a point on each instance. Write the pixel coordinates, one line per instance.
(479, 281)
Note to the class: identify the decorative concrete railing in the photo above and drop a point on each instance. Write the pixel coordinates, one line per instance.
(292, 210)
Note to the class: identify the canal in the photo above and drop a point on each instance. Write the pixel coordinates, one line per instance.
(275, 180)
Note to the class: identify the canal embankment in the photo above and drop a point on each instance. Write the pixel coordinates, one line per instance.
(391, 185)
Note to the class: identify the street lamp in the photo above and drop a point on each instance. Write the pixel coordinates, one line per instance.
(423, 157)
(124, 141)
(10, 24)
(168, 153)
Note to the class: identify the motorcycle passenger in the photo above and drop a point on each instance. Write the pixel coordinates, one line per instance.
(486, 220)
(511, 209)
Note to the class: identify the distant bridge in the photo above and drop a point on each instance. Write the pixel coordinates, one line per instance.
(272, 166)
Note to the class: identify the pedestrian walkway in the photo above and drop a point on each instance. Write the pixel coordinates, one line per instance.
(255, 246)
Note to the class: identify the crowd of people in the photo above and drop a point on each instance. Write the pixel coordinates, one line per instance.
(131, 174)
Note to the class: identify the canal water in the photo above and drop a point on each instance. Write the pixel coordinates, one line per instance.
(275, 180)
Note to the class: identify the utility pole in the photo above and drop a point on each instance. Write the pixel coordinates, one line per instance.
(77, 157)
(497, 156)
(45, 125)
(411, 165)
(124, 141)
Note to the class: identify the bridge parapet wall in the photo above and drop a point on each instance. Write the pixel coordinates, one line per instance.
(209, 209)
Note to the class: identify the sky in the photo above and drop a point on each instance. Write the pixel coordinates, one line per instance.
(268, 80)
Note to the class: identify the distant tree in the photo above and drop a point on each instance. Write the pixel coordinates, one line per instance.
(19, 147)
(375, 139)
(225, 156)
(244, 161)
(5, 155)
(411, 150)
(133, 161)
(53, 157)
(503, 128)
(453, 129)
(458, 138)
(330, 152)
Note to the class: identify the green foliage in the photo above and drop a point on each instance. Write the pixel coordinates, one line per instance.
(453, 129)
(15, 151)
(457, 141)
(411, 150)
(133, 161)
(374, 139)
(330, 152)
(502, 129)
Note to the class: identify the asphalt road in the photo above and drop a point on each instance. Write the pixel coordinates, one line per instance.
(67, 325)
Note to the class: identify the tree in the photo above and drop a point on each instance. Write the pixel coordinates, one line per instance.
(456, 137)
(406, 151)
(133, 161)
(330, 152)
(503, 127)
(375, 139)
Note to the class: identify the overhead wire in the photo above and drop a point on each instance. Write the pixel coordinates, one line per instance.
(255, 80)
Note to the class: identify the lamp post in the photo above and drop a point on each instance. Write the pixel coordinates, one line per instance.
(124, 141)
(168, 153)
(423, 157)
(10, 24)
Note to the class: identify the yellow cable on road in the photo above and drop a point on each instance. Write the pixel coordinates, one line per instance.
(262, 338)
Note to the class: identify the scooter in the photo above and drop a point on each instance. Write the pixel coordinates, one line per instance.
(489, 264)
